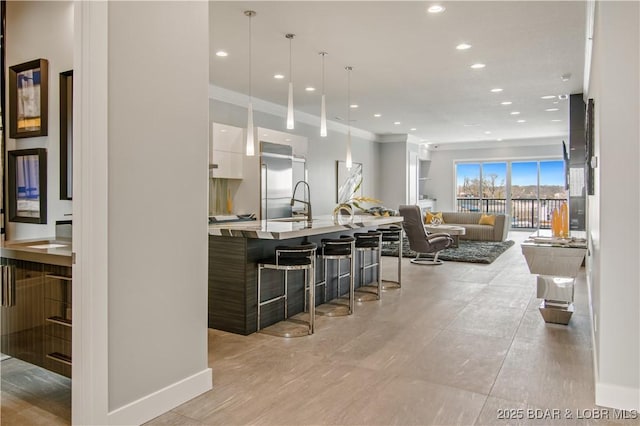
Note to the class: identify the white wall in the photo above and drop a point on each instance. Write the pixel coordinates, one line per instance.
(394, 163)
(441, 184)
(321, 159)
(157, 215)
(614, 224)
(41, 29)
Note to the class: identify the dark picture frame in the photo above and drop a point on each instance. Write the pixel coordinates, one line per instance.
(588, 128)
(28, 99)
(27, 170)
(66, 135)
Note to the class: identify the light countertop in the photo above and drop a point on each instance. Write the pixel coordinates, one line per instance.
(41, 250)
(280, 229)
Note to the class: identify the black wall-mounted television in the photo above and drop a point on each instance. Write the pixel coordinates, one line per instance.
(588, 133)
(565, 156)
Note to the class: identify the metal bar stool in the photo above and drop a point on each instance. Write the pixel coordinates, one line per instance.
(369, 242)
(393, 235)
(290, 258)
(337, 249)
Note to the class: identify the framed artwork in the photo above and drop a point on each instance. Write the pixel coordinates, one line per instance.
(66, 135)
(349, 181)
(28, 99)
(28, 185)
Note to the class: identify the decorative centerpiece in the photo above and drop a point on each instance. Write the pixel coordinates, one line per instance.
(343, 213)
(560, 222)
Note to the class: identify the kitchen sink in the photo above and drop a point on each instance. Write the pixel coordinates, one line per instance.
(48, 246)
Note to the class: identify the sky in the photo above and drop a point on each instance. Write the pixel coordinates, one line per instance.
(522, 173)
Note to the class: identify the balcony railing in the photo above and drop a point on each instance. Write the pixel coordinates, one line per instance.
(525, 212)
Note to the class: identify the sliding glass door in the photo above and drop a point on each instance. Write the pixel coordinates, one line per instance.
(524, 194)
(528, 191)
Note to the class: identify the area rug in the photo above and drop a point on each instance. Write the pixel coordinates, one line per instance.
(468, 251)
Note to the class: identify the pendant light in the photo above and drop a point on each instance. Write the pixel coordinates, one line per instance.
(349, 161)
(290, 121)
(250, 145)
(323, 108)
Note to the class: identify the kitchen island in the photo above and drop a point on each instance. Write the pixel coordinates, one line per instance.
(234, 249)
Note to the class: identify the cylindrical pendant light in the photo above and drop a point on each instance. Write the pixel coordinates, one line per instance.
(349, 162)
(323, 107)
(290, 120)
(250, 149)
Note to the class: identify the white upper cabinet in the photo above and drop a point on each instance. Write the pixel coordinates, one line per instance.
(226, 151)
(298, 144)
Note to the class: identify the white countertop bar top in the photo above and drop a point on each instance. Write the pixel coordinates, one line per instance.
(42, 250)
(281, 229)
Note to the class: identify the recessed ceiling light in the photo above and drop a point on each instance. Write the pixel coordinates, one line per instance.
(413, 129)
(563, 97)
(515, 112)
(478, 66)
(221, 53)
(353, 106)
(496, 90)
(278, 76)
(397, 123)
(522, 121)
(552, 109)
(463, 46)
(436, 8)
(548, 96)
(487, 132)
(506, 103)
(377, 115)
(556, 120)
(556, 102)
(310, 89)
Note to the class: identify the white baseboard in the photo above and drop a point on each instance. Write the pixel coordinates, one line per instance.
(163, 400)
(620, 397)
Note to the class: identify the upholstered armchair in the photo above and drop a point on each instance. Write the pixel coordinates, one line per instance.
(421, 242)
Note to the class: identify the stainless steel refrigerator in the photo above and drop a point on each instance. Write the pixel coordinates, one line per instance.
(276, 180)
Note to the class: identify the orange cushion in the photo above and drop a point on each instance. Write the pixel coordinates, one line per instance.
(487, 219)
(429, 216)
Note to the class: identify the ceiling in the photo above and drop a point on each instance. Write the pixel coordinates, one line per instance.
(405, 63)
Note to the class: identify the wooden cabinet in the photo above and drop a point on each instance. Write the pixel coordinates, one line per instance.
(226, 156)
(22, 322)
(58, 319)
(36, 314)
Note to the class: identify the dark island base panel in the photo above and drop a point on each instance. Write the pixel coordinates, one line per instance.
(233, 281)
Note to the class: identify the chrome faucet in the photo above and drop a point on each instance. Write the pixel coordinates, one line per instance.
(308, 203)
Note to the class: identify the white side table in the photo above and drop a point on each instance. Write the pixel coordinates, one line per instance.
(557, 262)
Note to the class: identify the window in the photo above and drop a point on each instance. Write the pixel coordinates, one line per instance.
(528, 191)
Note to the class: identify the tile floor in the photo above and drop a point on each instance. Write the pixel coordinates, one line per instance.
(458, 344)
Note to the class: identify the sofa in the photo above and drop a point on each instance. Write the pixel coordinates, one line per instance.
(473, 230)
